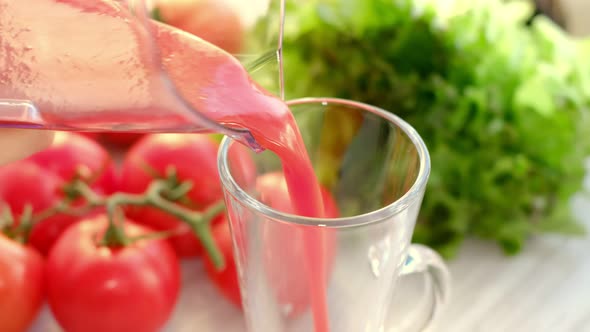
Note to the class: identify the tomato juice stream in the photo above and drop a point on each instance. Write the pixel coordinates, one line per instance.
(97, 74)
(235, 100)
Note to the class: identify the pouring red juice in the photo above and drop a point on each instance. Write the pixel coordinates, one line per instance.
(67, 89)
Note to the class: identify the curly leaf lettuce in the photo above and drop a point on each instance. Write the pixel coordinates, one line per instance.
(503, 107)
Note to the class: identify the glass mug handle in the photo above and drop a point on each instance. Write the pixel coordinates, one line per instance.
(424, 260)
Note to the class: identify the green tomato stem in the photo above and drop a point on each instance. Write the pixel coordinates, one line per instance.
(179, 192)
(17, 229)
(199, 222)
(153, 196)
(7, 219)
(158, 195)
(25, 224)
(114, 235)
(60, 207)
(203, 231)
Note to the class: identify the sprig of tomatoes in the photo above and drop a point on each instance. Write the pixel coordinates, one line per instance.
(101, 242)
(100, 239)
(155, 196)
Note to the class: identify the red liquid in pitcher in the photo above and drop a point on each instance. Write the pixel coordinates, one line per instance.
(105, 85)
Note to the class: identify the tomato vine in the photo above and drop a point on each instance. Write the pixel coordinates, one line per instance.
(160, 194)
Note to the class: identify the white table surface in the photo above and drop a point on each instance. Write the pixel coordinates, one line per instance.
(544, 289)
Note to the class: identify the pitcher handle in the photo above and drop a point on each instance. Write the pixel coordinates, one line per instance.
(422, 259)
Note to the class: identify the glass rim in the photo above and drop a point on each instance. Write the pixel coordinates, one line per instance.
(399, 205)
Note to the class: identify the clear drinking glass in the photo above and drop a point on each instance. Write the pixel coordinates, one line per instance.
(376, 166)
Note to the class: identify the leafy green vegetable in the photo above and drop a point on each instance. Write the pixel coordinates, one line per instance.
(503, 107)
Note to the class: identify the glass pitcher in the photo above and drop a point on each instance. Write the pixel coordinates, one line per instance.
(109, 65)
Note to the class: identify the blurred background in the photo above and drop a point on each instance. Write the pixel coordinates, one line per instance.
(500, 92)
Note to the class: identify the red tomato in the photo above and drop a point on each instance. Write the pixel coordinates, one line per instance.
(23, 183)
(92, 288)
(291, 286)
(21, 285)
(91, 135)
(122, 139)
(71, 153)
(194, 158)
(211, 20)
